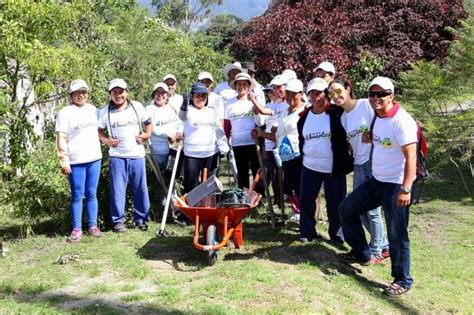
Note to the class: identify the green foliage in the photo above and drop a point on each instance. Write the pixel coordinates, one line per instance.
(41, 191)
(368, 67)
(223, 28)
(436, 93)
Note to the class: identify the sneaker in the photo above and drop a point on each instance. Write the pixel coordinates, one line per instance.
(350, 258)
(76, 236)
(295, 217)
(94, 231)
(120, 228)
(385, 253)
(141, 226)
(305, 240)
(377, 259)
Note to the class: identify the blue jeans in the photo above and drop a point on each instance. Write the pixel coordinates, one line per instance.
(372, 219)
(334, 190)
(370, 195)
(83, 180)
(124, 171)
(161, 160)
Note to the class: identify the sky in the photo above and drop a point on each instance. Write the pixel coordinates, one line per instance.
(245, 9)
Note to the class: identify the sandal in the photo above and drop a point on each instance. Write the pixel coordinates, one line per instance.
(394, 289)
(350, 258)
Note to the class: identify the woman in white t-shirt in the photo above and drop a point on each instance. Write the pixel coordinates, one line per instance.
(241, 116)
(167, 127)
(326, 160)
(356, 120)
(203, 136)
(79, 154)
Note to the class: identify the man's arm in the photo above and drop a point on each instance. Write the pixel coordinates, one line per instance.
(110, 142)
(409, 151)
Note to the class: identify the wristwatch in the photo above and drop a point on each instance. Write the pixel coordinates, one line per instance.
(406, 190)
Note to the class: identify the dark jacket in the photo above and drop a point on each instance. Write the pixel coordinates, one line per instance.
(342, 157)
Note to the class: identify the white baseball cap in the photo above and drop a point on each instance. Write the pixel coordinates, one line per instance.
(205, 75)
(294, 85)
(279, 80)
(78, 85)
(326, 66)
(231, 66)
(162, 85)
(120, 83)
(384, 82)
(317, 84)
(289, 74)
(169, 76)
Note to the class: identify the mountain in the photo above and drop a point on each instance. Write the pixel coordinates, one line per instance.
(246, 9)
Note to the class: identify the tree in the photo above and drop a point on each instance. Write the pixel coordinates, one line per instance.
(183, 14)
(223, 28)
(300, 34)
(436, 94)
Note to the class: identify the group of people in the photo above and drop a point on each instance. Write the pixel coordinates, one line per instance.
(316, 135)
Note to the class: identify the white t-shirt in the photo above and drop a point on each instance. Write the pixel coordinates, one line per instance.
(317, 148)
(200, 128)
(125, 126)
(175, 102)
(389, 134)
(279, 109)
(355, 123)
(242, 119)
(216, 102)
(225, 91)
(287, 126)
(80, 124)
(165, 124)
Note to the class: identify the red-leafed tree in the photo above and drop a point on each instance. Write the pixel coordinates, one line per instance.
(300, 34)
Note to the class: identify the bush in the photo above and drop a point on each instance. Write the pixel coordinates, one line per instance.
(41, 191)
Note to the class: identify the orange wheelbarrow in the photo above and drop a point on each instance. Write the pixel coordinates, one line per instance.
(225, 222)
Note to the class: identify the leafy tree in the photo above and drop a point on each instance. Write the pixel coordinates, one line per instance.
(183, 14)
(436, 95)
(300, 34)
(223, 28)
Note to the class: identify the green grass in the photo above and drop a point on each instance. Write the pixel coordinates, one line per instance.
(137, 272)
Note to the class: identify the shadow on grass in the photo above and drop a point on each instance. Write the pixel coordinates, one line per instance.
(83, 305)
(179, 252)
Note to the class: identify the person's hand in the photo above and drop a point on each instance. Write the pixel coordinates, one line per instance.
(251, 96)
(66, 170)
(257, 133)
(142, 137)
(113, 142)
(403, 199)
(186, 100)
(178, 136)
(274, 129)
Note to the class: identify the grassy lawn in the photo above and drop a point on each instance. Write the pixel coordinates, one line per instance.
(138, 272)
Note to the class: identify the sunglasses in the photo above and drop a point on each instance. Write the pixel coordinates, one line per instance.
(335, 92)
(379, 94)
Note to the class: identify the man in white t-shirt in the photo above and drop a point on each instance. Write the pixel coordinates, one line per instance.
(123, 119)
(394, 137)
(214, 100)
(223, 88)
(174, 100)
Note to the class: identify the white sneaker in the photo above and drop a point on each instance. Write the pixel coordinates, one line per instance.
(295, 217)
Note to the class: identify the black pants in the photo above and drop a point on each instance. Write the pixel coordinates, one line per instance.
(193, 167)
(292, 175)
(245, 158)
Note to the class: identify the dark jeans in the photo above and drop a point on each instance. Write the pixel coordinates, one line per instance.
(370, 195)
(334, 191)
(272, 174)
(245, 158)
(193, 167)
(292, 176)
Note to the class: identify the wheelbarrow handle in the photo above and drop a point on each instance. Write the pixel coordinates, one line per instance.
(227, 232)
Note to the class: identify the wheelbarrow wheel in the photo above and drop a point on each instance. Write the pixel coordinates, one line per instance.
(211, 239)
